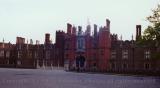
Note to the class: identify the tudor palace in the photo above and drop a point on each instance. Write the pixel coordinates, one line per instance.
(101, 51)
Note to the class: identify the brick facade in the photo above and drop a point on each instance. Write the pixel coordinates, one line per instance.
(102, 51)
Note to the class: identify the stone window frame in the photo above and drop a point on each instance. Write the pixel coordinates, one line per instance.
(79, 44)
(30, 54)
(19, 54)
(125, 53)
(147, 54)
(47, 54)
(20, 47)
(7, 54)
(113, 54)
(147, 66)
(19, 62)
(36, 54)
(1, 53)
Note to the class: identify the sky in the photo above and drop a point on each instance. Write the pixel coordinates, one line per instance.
(31, 19)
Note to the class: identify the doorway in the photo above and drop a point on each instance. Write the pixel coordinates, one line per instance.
(80, 63)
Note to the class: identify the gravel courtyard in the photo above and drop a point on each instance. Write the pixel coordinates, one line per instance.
(39, 78)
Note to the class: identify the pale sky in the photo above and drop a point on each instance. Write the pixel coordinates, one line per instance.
(31, 19)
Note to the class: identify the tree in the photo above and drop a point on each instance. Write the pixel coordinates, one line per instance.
(155, 18)
(152, 32)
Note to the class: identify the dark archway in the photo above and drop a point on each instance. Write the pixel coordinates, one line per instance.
(80, 63)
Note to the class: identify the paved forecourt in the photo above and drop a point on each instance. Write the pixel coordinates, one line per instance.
(40, 78)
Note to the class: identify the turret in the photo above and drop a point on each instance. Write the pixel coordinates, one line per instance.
(59, 46)
(114, 37)
(60, 35)
(79, 30)
(105, 43)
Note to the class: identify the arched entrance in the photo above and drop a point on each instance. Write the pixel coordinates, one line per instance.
(80, 63)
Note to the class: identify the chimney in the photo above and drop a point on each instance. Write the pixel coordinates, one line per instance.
(69, 28)
(74, 30)
(108, 24)
(20, 40)
(37, 42)
(31, 41)
(3, 44)
(47, 38)
(138, 31)
(88, 29)
(95, 30)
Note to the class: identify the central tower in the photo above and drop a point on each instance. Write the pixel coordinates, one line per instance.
(80, 41)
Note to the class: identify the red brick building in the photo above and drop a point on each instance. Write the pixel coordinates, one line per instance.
(129, 57)
(101, 51)
(6, 52)
(95, 48)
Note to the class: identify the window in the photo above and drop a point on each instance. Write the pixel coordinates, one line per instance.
(7, 61)
(7, 54)
(36, 55)
(147, 54)
(147, 66)
(113, 54)
(19, 54)
(2, 53)
(30, 54)
(19, 63)
(79, 44)
(47, 54)
(125, 54)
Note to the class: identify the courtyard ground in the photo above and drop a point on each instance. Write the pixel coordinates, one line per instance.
(40, 78)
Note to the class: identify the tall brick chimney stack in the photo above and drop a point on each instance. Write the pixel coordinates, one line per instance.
(95, 30)
(20, 40)
(47, 38)
(108, 24)
(69, 28)
(88, 30)
(138, 31)
(74, 30)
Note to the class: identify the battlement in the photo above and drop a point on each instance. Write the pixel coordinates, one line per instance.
(60, 32)
(114, 37)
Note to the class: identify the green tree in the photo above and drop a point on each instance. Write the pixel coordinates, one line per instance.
(151, 34)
